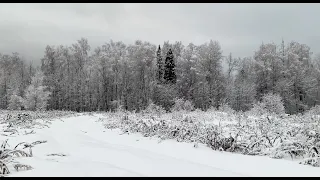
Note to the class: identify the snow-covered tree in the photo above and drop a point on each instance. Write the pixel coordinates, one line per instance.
(142, 55)
(232, 64)
(187, 71)
(15, 101)
(36, 95)
(271, 104)
(243, 92)
(268, 68)
(298, 77)
(13, 76)
(210, 56)
(163, 95)
(128, 74)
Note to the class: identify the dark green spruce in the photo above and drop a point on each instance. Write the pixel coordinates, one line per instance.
(160, 65)
(169, 73)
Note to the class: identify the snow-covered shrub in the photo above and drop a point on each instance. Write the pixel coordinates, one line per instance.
(270, 104)
(226, 108)
(315, 162)
(27, 118)
(182, 105)
(273, 104)
(266, 135)
(257, 110)
(315, 110)
(212, 109)
(154, 109)
(177, 115)
(197, 111)
(288, 148)
(7, 156)
(178, 104)
(188, 106)
(115, 105)
(15, 102)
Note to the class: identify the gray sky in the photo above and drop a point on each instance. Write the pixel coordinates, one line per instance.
(240, 28)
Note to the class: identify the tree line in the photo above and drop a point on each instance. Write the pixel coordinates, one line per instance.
(133, 76)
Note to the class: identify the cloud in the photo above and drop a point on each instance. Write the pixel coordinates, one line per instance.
(240, 28)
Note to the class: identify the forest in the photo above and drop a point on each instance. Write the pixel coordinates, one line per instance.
(131, 77)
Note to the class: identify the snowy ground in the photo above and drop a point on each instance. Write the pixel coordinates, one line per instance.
(92, 150)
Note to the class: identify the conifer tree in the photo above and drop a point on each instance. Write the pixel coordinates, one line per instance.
(159, 66)
(169, 73)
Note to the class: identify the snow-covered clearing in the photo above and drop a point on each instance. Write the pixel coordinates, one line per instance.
(91, 150)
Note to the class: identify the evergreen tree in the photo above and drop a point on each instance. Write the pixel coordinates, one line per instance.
(169, 73)
(159, 66)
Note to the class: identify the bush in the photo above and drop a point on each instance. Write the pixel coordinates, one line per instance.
(15, 102)
(270, 104)
(182, 105)
(115, 106)
(188, 106)
(154, 109)
(8, 156)
(212, 109)
(257, 110)
(314, 110)
(226, 108)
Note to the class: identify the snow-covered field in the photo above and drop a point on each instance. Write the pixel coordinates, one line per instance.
(89, 149)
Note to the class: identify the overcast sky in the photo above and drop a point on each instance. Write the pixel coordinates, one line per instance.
(240, 28)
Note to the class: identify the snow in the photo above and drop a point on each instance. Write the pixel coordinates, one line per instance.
(91, 150)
